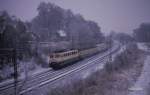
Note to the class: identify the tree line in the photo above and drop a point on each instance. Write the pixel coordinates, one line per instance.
(55, 24)
(51, 20)
(52, 24)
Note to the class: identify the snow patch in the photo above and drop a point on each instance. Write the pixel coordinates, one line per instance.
(142, 46)
(143, 81)
(62, 33)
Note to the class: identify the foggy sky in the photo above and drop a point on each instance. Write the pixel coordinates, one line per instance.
(117, 15)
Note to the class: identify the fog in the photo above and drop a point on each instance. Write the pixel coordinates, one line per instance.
(117, 15)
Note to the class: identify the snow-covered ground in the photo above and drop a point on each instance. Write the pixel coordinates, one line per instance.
(122, 48)
(37, 70)
(142, 46)
(142, 83)
(98, 67)
(26, 69)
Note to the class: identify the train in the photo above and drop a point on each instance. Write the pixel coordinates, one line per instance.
(58, 60)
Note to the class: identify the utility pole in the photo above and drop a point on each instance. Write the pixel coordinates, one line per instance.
(15, 71)
(110, 45)
(10, 53)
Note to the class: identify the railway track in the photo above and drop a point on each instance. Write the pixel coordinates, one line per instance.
(20, 81)
(51, 75)
(35, 77)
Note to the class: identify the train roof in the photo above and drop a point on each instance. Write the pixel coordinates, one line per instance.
(62, 52)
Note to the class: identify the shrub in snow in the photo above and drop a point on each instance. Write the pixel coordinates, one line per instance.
(6, 72)
(27, 65)
(31, 64)
(125, 59)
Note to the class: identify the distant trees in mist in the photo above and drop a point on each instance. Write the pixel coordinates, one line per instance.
(142, 33)
(123, 38)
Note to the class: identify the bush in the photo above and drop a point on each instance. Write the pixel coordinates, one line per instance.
(125, 59)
